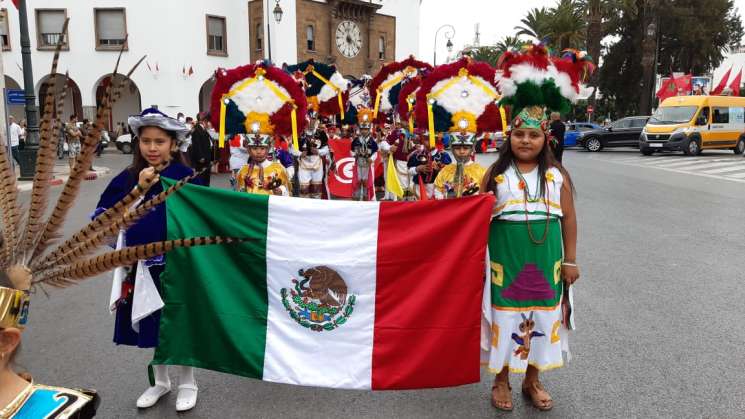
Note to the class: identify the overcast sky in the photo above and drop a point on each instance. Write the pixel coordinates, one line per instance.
(497, 19)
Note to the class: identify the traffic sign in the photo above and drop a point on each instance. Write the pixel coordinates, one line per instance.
(590, 109)
(15, 97)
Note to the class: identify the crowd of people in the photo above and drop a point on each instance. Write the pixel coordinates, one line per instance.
(276, 147)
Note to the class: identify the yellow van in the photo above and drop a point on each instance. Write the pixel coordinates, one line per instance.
(694, 123)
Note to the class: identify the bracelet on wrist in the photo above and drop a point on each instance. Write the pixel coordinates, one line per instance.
(574, 265)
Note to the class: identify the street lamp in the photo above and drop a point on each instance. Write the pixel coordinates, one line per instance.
(277, 17)
(277, 12)
(449, 34)
(27, 156)
(653, 33)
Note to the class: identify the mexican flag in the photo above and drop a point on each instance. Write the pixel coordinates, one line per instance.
(342, 294)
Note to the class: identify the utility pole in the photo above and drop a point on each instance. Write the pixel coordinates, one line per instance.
(27, 156)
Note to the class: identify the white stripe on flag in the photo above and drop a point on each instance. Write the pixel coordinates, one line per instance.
(342, 235)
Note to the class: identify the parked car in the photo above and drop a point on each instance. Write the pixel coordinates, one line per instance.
(694, 123)
(124, 143)
(624, 132)
(575, 130)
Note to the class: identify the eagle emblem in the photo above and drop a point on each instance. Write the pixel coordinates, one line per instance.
(319, 299)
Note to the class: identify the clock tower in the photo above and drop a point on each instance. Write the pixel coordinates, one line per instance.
(350, 34)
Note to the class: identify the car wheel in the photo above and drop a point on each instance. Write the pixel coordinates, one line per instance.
(126, 148)
(593, 144)
(740, 147)
(646, 151)
(693, 148)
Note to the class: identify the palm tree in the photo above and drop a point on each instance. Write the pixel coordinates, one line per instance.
(488, 54)
(508, 43)
(535, 24)
(567, 27)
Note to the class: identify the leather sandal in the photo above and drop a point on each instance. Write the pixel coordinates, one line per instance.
(530, 390)
(500, 388)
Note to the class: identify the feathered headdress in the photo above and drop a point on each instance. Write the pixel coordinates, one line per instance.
(260, 100)
(26, 259)
(386, 85)
(326, 89)
(407, 100)
(461, 98)
(365, 118)
(532, 82)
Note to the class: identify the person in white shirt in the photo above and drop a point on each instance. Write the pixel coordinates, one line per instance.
(14, 133)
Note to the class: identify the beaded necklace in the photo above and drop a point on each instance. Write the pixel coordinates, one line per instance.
(526, 195)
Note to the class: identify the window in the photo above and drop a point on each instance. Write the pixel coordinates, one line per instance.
(381, 48)
(216, 36)
(49, 23)
(703, 116)
(623, 123)
(721, 116)
(4, 30)
(259, 37)
(639, 122)
(310, 36)
(111, 28)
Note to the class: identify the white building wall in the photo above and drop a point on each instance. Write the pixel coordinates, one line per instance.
(284, 33)
(172, 33)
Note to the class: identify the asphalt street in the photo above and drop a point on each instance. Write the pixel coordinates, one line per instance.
(658, 312)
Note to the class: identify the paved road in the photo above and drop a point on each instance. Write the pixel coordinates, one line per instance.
(658, 310)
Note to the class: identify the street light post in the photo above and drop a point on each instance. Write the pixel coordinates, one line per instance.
(27, 156)
(277, 12)
(449, 35)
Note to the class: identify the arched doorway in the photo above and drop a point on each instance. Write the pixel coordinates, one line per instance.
(127, 105)
(17, 111)
(205, 94)
(73, 100)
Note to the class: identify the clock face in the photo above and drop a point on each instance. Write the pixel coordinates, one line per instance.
(348, 39)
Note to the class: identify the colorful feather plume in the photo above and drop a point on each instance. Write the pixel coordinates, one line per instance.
(465, 87)
(322, 82)
(534, 78)
(385, 87)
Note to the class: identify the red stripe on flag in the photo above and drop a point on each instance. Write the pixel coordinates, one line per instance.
(430, 278)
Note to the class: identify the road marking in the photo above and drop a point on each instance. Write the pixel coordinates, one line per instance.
(719, 168)
(736, 168)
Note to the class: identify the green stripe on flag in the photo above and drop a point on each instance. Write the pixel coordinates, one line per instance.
(215, 297)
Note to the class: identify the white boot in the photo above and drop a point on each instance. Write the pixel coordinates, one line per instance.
(161, 388)
(187, 389)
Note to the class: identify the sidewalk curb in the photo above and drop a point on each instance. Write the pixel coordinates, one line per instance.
(97, 172)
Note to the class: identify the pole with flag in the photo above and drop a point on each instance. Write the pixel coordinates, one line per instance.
(722, 83)
(736, 83)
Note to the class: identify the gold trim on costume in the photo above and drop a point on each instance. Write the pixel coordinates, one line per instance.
(13, 307)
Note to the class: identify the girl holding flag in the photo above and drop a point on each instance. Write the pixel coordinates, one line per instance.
(156, 154)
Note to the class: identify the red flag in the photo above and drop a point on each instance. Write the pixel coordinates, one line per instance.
(684, 85)
(735, 86)
(723, 82)
(15, 3)
(667, 89)
(340, 179)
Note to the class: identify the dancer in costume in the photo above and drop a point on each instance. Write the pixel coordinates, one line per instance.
(425, 164)
(155, 154)
(458, 98)
(364, 149)
(313, 150)
(261, 175)
(20, 397)
(398, 143)
(266, 104)
(533, 233)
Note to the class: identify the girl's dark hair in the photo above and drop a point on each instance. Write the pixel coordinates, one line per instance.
(139, 162)
(545, 158)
